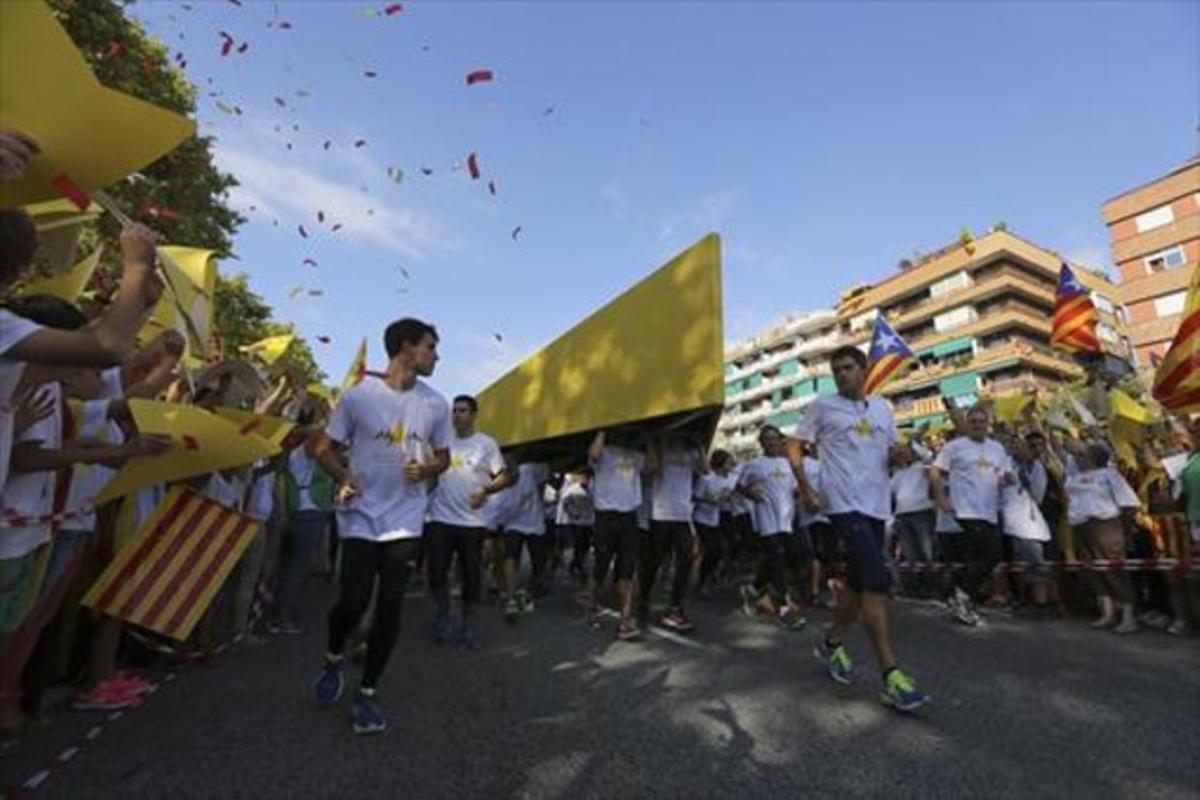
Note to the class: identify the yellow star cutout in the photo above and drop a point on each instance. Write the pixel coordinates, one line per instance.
(396, 434)
(862, 427)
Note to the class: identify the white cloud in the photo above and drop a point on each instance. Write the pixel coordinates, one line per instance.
(281, 188)
(713, 211)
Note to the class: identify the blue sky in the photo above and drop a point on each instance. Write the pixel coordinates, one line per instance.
(824, 142)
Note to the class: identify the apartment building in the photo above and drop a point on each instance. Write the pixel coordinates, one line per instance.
(1155, 238)
(977, 315)
(770, 377)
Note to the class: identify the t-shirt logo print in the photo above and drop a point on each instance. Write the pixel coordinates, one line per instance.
(394, 436)
(862, 427)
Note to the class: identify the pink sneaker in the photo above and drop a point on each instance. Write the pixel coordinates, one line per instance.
(131, 684)
(105, 697)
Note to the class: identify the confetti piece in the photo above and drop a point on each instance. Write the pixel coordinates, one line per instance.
(69, 189)
(370, 13)
(294, 292)
(326, 145)
(516, 232)
(315, 293)
(303, 232)
(370, 212)
(370, 74)
(321, 216)
(302, 93)
(237, 3)
(473, 166)
(492, 188)
(324, 339)
(244, 47)
(279, 101)
(309, 262)
(479, 76)
(396, 174)
(498, 337)
(392, 9)
(426, 171)
(548, 111)
(361, 143)
(226, 42)
(336, 228)
(404, 272)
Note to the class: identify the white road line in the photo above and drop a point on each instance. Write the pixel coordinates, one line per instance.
(94, 732)
(68, 754)
(36, 779)
(661, 633)
(116, 715)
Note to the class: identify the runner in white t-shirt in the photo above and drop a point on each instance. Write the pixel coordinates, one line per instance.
(456, 522)
(525, 528)
(977, 468)
(387, 438)
(675, 463)
(577, 516)
(854, 435)
(617, 495)
(711, 493)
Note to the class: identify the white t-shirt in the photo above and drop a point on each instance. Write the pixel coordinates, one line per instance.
(812, 472)
(31, 494)
(384, 428)
(474, 461)
(774, 479)
(910, 488)
(671, 486)
(575, 505)
(228, 489)
(527, 516)
(1098, 494)
(975, 469)
(853, 438)
(499, 508)
(88, 479)
(1021, 516)
(13, 330)
(643, 509)
(711, 490)
(617, 485)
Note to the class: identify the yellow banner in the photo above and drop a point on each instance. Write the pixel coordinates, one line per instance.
(273, 429)
(193, 274)
(657, 349)
(95, 135)
(69, 285)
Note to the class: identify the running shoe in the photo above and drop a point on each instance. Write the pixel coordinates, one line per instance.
(525, 601)
(512, 611)
(628, 630)
(330, 684)
(366, 714)
(131, 683)
(792, 620)
(749, 600)
(1177, 628)
(358, 653)
(441, 623)
(593, 619)
(676, 620)
(901, 692)
(105, 697)
(836, 660)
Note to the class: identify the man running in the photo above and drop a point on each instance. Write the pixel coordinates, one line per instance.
(853, 435)
(617, 497)
(525, 528)
(394, 432)
(674, 464)
(476, 472)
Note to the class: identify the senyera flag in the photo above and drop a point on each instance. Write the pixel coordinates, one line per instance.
(889, 357)
(182, 555)
(1074, 325)
(1177, 380)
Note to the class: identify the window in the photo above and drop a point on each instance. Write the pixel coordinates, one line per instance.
(954, 318)
(1154, 218)
(952, 283)
(787, 393)
(1170, 258)
(1170, 304)
(862, 321)
(1106, 333)
(1102, 302)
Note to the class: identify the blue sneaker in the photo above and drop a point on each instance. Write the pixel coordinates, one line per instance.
(441, 624)
(330, 684)
(366, 714)
(837, 662)
(901, 692)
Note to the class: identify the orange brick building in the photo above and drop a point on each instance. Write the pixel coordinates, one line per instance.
(1155, 239)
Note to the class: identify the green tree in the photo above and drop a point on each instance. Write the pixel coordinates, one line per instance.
(242, 317)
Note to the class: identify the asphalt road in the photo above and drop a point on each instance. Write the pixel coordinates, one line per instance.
(549, 708)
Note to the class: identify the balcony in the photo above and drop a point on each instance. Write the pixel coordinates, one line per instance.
(989, 358)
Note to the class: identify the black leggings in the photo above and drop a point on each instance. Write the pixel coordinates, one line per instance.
(444, 540)
(362, 561)
(665, 538)
(581, 542)
(980, 548)
(617, 537)
(781, 564)
(712, 538)
(540, 547)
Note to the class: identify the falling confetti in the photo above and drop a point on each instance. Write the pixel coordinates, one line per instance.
(244, 47)
(336, 228)
(361, 143)
(324, 339)
(426, 171)
(370, 73)
(549, 110)
(279, 101)
(473, 166)
(303, 232)
(229, 109)
(404, 272)
(226, 43)
(393, 9)
(315, 293)
(296, 290)
(310, 262)
(396, 174)
(492, 188)
(498, 337)
(321, 216)
(516, 232)
(479, 76)
(237, 3)
(326, 145)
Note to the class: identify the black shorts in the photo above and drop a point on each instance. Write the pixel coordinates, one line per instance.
(862, 538)
(617, 533)
(825, 543)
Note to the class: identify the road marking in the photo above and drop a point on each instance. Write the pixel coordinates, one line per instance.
(661, 633)
(68, 754)
(37, 779)
(94, 732)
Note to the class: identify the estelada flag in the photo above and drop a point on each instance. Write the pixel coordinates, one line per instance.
(889, 357)
(358, 367)
(167, 577)
(1074, 325)
(1177, 380)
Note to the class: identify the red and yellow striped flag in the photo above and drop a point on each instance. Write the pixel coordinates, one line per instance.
(166, 579)
(1074, 325)
(1177, 380)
